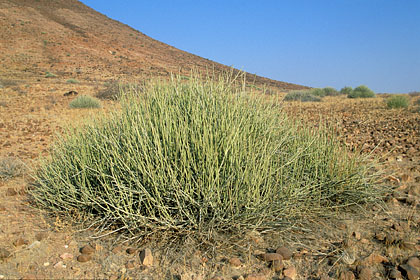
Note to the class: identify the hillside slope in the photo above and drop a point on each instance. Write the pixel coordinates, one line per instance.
(72, 40)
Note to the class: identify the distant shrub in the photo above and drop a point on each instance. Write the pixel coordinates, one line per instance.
(11, 167)
(361, 92)
(417, 102)
(329, 91)
(114, 88)
(346, 90)
(8, 83)
(72, 81)
(414, 93)
(85, 101)
(50, 75)
(317, 92)
(397, 101)
(111, 91)
(303, 96)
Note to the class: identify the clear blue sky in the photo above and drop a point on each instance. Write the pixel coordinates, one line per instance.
(310, 42)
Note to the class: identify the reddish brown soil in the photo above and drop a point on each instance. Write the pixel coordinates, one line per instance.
(376, 240)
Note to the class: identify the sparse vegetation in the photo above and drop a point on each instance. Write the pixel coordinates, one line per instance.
(11, 167)
(361, 92)
(302, 95)
(50, 75)
(201, 157)
(397, 101)
(72, 81)
(85, 101)
(310, 95)
(9, 83)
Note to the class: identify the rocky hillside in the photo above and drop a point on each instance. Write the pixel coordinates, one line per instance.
(69, 39)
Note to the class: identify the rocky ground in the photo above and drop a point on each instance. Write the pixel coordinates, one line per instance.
(376, 242)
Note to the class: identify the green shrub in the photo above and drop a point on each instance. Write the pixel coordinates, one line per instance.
(346, 90)
(199, 157)
(301, 95)
(50, 75)
(329, 91)
(85, 101)
(361, 92)
(11, 167)
(317, 92)
(397, 101)
(72, 81)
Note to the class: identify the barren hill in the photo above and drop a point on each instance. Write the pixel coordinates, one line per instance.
(68, 38)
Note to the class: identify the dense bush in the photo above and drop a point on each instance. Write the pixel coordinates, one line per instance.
(361, 92)
(346, 90)
(302, 95)
(329, 91)
(198, 156)
(397, 101)
(85, 101)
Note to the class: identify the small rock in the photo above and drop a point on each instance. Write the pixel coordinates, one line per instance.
(114, 277)
(357, 235)
(395, 274)
(290, 272)
(130, 251)
(2, 208)
(410, 272)
(40, 236)
(2, 276)
(129, 265)
(373, 259)
(84, 258)
(285, 253)
(269, 257)
(364, 273)
(235, 262)
(347, 275)
(116, 249)
(380, 236)
(414, 262)
(4, 253)
(87, 250)
(66, 256)
(46, 264)
(256, 276)
(11, 192)
(59, 264)
(277, 265)
(146, 257)
(364, 241)
(20, 241)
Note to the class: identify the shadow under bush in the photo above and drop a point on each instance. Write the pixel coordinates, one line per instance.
(199, 156)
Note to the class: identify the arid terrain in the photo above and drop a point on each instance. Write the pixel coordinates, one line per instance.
(72, 41)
